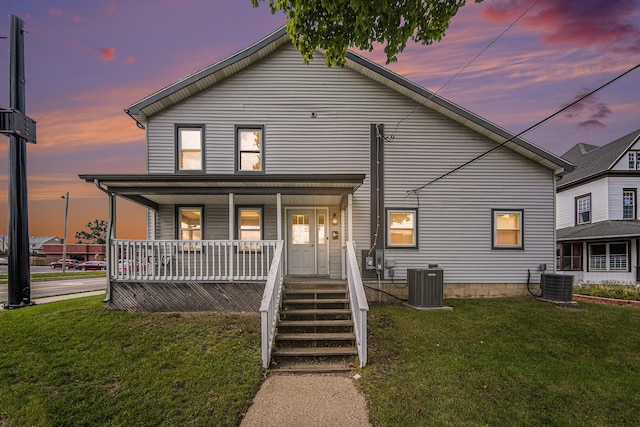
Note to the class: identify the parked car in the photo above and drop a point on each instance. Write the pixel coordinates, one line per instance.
(4, 261)
(70, 263)
(92, 265)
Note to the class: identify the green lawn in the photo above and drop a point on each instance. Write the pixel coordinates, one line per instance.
(516, 362)
(59, 275)
(76, 363)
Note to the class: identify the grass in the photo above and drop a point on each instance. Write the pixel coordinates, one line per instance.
(609, 290)
(76, 363)
(504, 362)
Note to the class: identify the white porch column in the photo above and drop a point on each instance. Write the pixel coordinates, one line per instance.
(349, 217)
(231, 216)
(279, 213)
(343, 245)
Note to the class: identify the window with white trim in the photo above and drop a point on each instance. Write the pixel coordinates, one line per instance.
(507, 229)
(608, 257)
(583, 209)
(249, 149)
(190, 223)
(402, 228)
(249, 223)
(634, 160)
(190, 148)
(629, 204)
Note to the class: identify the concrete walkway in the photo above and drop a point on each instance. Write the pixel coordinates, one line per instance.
(306, 401)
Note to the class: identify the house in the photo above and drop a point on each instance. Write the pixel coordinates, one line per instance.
(597, 215)
(36, 243)
(261, 169)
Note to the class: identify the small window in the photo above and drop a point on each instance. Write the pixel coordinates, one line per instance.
(507, 229)
(190, 223)
(583, 209)
(249, 223)
(249, 143)
(634, 160)
(629, 204)
(402, 231)
(190, 144)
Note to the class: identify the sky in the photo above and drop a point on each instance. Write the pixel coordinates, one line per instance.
(86, 61)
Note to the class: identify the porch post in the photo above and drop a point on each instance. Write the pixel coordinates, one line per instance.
(231, 227)
(279, 218)
(349, 217)
(110, 253)
(343, 245)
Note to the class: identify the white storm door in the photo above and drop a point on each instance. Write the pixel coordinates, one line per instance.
(301, 248)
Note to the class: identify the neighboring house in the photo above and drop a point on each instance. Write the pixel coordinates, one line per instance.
(36, 243)
(259, 149)
(597, 212)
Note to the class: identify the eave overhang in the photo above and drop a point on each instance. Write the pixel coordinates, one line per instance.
(600, 231)
(150, 189)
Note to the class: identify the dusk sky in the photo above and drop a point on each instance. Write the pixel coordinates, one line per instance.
(88, 60)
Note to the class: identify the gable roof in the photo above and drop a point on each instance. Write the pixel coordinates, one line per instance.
(213, 74)
(596, 161)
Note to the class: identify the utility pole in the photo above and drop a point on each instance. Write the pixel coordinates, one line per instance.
(64, 242)
(21, 129)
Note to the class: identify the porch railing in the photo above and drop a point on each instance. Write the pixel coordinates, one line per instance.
(270, 305)
(216, 260)
(359, 305)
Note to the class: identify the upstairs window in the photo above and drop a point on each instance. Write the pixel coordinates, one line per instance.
(190, 223)
(249, 149)
(583, 209)
(190, 148)
(629, 204)
(402, 228)
(634, 160)
(507, 229)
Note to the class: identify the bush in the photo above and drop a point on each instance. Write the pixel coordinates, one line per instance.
(609, 290)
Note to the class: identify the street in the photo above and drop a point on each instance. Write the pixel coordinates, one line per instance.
(60, 287)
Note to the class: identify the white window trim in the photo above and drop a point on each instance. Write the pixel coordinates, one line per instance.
(179, 220)
(579, 220)
(179, 128)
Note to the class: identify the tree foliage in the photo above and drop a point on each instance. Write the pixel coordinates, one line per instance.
(335, 25)
(96, 232)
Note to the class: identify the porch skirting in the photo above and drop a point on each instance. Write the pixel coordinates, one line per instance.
(186, 296)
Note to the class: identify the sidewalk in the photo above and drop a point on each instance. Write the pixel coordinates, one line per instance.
(63, 297)
(321, 400)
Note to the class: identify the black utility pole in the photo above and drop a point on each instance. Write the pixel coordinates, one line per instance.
(21, 129)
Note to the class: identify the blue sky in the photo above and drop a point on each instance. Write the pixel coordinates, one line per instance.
(87, 60)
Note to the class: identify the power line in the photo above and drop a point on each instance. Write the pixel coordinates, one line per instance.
(395, 130)
(502, 144)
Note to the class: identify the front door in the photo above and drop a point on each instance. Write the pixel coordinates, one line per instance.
(301, 247)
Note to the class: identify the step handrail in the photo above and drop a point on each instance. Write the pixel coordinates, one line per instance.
(270, 305)
(359, 304)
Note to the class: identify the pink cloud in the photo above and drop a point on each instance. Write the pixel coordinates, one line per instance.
(131, 59)
(56, 12)
(607, 24)
(106, 53)
(112, 8)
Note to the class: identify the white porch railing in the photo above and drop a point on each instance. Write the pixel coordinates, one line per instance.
(167, 260)
(359, 305)
(270, 305)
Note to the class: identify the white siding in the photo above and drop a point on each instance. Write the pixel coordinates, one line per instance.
(566, 210)
(455, 232)
(617, 185)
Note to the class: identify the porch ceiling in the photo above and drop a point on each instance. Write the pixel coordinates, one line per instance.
(152, 190)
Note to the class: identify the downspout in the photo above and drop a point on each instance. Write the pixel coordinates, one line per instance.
(110, 235)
